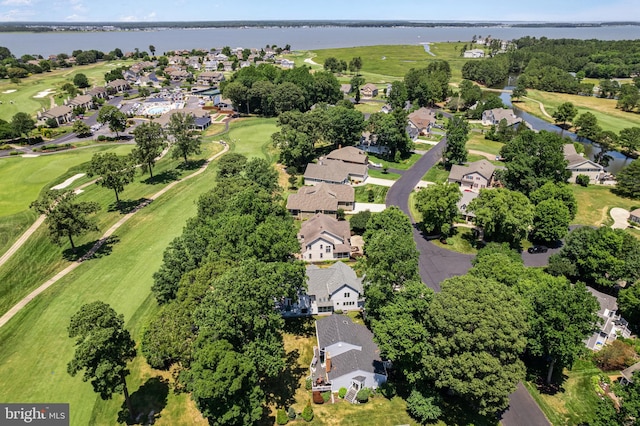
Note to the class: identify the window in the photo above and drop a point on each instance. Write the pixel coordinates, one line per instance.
(347, 295)
(320, 246)
(328, 249)
(320, 255)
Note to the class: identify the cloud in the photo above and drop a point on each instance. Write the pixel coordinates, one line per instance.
(16, 15)
(16, 3)
(135, 18)
(76, 17)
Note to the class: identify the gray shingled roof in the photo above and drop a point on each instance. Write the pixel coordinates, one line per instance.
(326, 281)
(483, 167)
(573, 158)
(333, 170)
(340, 328)
(57, 111)
(422, 118)
(627, 373)
(321, 197)
(349, 154)
(313, 228)
(501, 113)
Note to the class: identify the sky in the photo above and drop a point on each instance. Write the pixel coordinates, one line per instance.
(418, 10)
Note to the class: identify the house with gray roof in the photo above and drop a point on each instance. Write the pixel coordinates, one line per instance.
(369, 90)
(322, 198)
(119, 85)
(324, 238)
(473, 176)
(634, 216)
(627, 374)
(97, 92)
(493, 117)
(83, 101)
(62, 114)
(202, 118)
(579, 165)
(422, 120)
(349, 154)
(334, 171)
(611, 325)
(346, 356)
(336, 288)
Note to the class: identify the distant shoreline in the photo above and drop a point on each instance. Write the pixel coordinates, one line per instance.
(148, 26)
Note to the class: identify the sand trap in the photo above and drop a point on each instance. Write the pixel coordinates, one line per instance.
(10, 91)
(68, 181)
(44, 93)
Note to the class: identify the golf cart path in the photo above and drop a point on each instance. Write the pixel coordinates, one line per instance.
(620, 217)
(22, 303)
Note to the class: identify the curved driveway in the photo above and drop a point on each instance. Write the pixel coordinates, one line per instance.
(436, 264)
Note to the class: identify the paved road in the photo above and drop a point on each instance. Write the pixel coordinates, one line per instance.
(437, 264)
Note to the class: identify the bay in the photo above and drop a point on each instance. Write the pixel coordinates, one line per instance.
(300, 38)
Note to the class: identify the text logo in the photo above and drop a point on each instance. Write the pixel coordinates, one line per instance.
(36, 414)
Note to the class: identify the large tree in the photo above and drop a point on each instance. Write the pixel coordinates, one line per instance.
(566, 112)
(550, 221)
(457, 136)
(552, 191)
(81, 81)
(66, 217)
(629, 140)
(587, 126)
(474, 351)
(103, 349)
(113, 171)
(186, 140)
(503, 215)
(150, 141)
(114, 118)
(562, 316)
(438, 206)
(629, 304)
(533, 159)
(22, 124)
(398, 96)
(628, 180)
(390, 131)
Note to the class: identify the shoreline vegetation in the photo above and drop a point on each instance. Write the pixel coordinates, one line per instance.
(128, 26)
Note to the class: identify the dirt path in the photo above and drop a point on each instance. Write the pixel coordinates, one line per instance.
(22, 303)
(542, 108)
(484, 154)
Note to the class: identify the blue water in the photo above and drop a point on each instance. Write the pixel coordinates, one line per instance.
(301, 38)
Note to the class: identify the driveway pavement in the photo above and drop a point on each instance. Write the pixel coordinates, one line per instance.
(373, 208)
(523, 410)
(377, 181)
(620, 217)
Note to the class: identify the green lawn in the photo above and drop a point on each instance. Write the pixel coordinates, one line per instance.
(479, 143)
(595, 202)
(370, 107)
(460, 242)
(252, 137)
(22, 93)
(379, 193)
(609, 118)
(576, 401)
(436, 174)
(39, 259)
(382, 175)
(404, 164)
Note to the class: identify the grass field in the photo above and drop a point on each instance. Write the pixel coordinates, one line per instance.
(595, 202)
(379, 193)
(370, 107)
(576, 402)
(252, 138)
(382, 175)
(36, 348)
(478, 142)
(609, 118)
(22, 93)
(436, 174)
(405, 164)
(23, 179)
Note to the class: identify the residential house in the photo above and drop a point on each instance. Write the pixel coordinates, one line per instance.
(97, 92)
(336, 288)
(627, 374)
(180, 75)
(473, 53)
(346, 357)
(495, 116)
(634, 216)
(202, 118)
(210, 78)
(579, 165)
(422, 120)
(473, 176)
(369, 90)
(324, 238)
(349, 154)
(130, 75)
(210, 65)
(345, 88)
(334, 171)
(463, 204)
(82, 101)
(62, 114)
(612, 324)
(369, 143)
(286, 64)
(322, 198)
(119, 85)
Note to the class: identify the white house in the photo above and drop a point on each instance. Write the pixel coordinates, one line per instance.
(324, 238)
(579, 165)
(612, 324)
(346, 357)
(474, 53)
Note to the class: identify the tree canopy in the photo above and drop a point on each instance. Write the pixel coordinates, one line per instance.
(113, 171)
(150, 142)
(113, 117)
(457, 136)
(628, 181)
(186, 140)
(438, 206)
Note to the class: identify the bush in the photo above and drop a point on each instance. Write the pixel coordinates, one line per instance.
(326, 396)
(388, 390)
(5, 146)
(291, 413)
(307, 413)
(363, 395)
(582, 180)
(281, 417)
(102, 138)
(616, 356)
(423, 408)
(342, 392)
(338, 311)
(14, 153)
(308, 383)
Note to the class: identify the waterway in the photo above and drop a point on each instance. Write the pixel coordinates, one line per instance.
(618, 161)
(300, 38)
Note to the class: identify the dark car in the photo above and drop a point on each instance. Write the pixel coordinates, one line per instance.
(537, 249)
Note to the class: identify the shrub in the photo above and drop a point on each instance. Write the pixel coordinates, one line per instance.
(14, 153)
(5, 146)
(307, 413)
(582, 180)
(308, 383)
(291, 413)
(281, 417)
(616, 356)
(388, 390)
(326, 396)
(102, 138)
(422, 407)
(363, 395)
(342, 392)
(338, 311)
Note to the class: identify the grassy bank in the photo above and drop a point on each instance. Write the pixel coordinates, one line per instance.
(595, 202)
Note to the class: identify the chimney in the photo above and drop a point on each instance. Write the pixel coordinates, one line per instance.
(328, 362)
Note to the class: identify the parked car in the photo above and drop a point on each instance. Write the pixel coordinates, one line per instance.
(537, 249)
